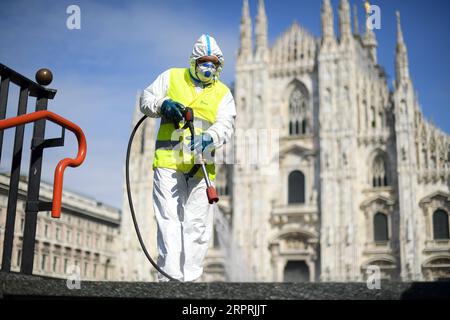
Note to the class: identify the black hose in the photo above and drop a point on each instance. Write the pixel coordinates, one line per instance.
(130, 201)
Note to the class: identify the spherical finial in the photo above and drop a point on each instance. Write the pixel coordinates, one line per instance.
(44, 77)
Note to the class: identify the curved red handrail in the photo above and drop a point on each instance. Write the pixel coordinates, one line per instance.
(63, 164)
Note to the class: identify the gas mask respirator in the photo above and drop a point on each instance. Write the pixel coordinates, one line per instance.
(206, 72)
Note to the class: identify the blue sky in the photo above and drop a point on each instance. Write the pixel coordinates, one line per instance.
(123, 45)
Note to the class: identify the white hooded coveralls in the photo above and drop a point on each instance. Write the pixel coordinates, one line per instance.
(183, 214)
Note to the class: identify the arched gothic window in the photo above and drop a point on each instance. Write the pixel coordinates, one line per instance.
(379, 172)
(296, 187)
(440, 225)
(298, 112)
(380, 227)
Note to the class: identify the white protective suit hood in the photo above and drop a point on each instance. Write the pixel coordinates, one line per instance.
(205, 46)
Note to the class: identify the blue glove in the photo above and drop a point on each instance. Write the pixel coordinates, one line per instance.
(201, 142)
(172, 110)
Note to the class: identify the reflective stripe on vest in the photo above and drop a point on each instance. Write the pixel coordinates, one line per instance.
(169, 151)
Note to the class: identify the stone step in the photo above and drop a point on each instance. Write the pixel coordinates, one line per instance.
(21, 286)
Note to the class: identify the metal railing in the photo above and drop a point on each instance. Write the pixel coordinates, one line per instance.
(29, 88)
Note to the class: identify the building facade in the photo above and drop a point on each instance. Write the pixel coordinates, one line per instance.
(362, 178)
(82, 242)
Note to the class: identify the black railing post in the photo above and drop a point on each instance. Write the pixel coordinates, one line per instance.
(14, 184)
(28, 88)
(4, 88)
(34, 181)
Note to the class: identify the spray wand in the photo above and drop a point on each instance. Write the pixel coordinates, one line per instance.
(211, 193)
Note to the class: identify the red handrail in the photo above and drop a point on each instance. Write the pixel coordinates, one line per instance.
(63, 164)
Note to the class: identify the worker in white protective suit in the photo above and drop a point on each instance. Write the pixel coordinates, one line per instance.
(184, 216)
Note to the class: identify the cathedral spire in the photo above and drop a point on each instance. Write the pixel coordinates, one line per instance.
(328, 37)
(261, 30)
(400, 39)
(370, 40)
(355, 19)
(345, 27)
(401, 62)
(246, 49)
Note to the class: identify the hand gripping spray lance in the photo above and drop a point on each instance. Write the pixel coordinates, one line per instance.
(210, 190)
(211, 193)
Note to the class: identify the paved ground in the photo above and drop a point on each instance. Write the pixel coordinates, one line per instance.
(15, 286)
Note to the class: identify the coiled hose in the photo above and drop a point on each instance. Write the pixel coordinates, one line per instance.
(130, 201)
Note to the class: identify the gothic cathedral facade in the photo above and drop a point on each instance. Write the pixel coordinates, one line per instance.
(363, 178)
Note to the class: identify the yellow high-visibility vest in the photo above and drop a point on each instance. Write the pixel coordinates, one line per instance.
(172, 149)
